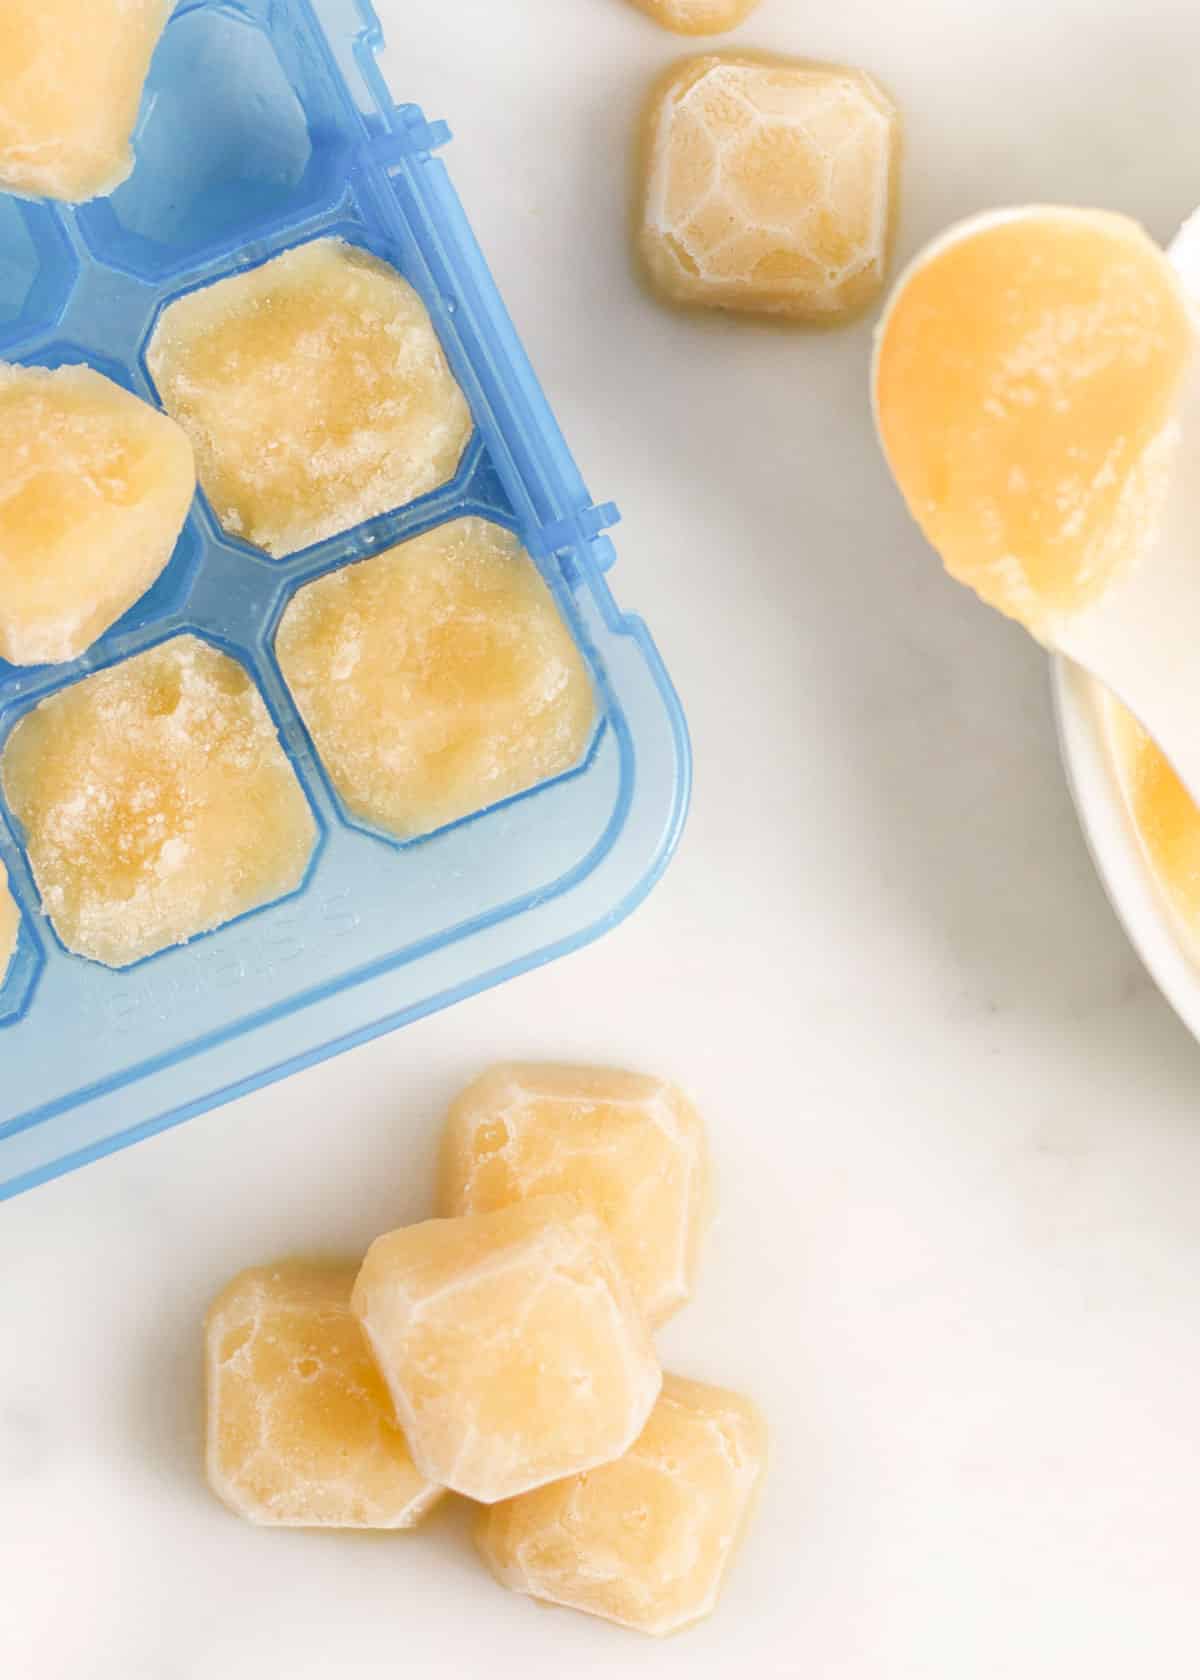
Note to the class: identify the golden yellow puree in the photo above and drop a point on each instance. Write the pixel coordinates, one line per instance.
(1165, 815)
(71, 76)
(9, 924)
(157, 802)
(301, 1431)
(1026, 381)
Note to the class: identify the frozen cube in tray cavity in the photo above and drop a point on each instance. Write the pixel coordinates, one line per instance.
(631, 1149)
(316, 392)
(645, 1541)
(94, 488)
(71, 78)
(157, 802)
(511, 1343)
(769, 187)
(301, 1430)
(10, 924)
(436, 678)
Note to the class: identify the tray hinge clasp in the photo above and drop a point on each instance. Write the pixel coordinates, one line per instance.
(417, 138)
(578, 530)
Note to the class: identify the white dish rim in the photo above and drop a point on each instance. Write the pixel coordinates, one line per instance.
(1113, 841)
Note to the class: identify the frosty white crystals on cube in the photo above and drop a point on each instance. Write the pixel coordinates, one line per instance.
(316, 393)
(156, 801)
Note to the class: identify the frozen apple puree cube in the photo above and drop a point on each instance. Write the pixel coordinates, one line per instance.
(71, 77)
(645, 1541)
(156, 802)
(512, 1345)
(436, 678)
(769, 187)
(697, 17)
(630, 1148)
(10, 923)
(94, 488)
(301, 1431)
(316, 392)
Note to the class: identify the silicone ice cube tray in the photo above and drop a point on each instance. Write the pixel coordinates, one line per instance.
(267, 123)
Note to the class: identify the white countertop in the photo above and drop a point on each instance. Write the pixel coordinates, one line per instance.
(958, 1133)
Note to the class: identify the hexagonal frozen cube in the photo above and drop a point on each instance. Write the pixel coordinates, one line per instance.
(316, 393)
(769, 187)
(645, 1541)
(631, 1149)
(157, 802)
(697, 17)
(300, 1427)
(10, 924)
(511, 1343)
(71, 78)
(94, 488)
(436, 678)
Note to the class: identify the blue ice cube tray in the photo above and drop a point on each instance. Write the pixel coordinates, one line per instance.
(267, 123)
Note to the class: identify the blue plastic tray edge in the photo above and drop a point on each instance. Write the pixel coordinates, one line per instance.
(560, 518)
(204, 1103)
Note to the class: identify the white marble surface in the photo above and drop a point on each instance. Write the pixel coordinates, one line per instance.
(958, 1133)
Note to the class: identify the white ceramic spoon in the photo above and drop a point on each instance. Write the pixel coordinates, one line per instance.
(1141, 639)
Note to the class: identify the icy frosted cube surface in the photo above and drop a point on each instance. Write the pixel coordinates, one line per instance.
(1026, 382)
(769, 187)
(94, 488)
(645, 1541)
(631, 1149)
(436, 678)
(697, 17)
(300, 1428)
(71, 77)
(512, 1345)
(157, 802)
(315, 391)
(10, 923)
